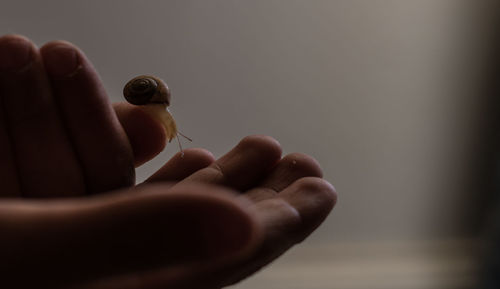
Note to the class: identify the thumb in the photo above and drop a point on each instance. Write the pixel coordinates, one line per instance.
(56, 243)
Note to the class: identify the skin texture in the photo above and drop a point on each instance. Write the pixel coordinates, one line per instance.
(72, 217)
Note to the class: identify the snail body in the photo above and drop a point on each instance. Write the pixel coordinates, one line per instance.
(160, 113)
(152, 95)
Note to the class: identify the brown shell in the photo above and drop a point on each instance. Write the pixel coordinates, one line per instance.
(146, 89)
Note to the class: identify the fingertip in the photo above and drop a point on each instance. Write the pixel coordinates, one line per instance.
(146, 136)
(313, 198)
(55, 43)
(200, 156)
(266, 145)
(16, 52)
(306, 164)
(319, 190)
(61, 58)
(330, 193)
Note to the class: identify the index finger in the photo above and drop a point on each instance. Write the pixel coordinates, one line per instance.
(97, 136)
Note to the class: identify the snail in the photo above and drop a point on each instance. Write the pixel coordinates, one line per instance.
(153, 96)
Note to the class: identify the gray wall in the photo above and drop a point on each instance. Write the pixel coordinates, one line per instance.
(382, 93)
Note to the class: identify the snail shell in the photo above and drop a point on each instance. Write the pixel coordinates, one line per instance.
(146, 89)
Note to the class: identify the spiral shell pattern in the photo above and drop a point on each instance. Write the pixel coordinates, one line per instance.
(146, 89)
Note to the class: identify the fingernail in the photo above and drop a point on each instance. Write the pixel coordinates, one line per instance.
(15, 53)
(61, 60)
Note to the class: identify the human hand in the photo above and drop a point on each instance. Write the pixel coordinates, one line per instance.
(288, 198)
(59, 137)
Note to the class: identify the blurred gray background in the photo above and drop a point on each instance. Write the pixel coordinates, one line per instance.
(387, 95)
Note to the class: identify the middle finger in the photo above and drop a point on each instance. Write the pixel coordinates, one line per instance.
(46, 162)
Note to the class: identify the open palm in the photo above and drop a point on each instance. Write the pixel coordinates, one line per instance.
(70, 214)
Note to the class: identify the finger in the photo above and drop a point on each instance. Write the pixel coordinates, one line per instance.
(289, 169)
(45, 160)
(313, 199)
(286, 221)
(182, 165)
(243, 166)
(69, 242)
(10, 59)
(98, 138)
(146, 136)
